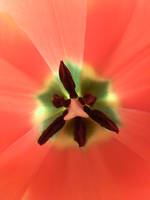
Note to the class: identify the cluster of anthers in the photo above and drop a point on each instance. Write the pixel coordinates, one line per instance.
(76, 108)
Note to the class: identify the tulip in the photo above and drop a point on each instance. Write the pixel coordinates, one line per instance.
(72, 75)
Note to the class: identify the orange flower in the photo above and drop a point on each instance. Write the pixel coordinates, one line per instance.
(112, 36)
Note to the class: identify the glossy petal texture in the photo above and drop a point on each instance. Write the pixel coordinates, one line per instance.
(118, 46)
(59, 31)
(16, 103)
(135, 132)
(22, 70)
(18, 50)
(107, 21)
(75, 174)
(18, 164)
(127, 60)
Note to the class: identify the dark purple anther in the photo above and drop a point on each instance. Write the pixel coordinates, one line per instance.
(67, 80)
(56, 125)
(59, 101)
(102, 119)
(79, 131)
(88, 99)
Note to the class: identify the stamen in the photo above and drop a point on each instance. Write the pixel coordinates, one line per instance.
(67, 80)
(88, 99)
(59, 101)
(79, 131)
(56, 125)
(102, 119)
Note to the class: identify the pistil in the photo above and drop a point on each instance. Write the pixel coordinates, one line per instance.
(75, 110)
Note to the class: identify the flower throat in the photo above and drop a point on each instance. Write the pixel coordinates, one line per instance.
(77, 107)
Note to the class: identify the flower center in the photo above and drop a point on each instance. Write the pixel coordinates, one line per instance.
(69, 102)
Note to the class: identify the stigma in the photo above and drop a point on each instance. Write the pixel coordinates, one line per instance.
(75, 110)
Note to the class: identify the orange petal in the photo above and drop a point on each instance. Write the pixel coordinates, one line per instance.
(16, 103)
(19, 162)
(67, 175)
(55, 27)
(17, 49)
(135, 131)
(109, 171)
(132, 82)
(133, 48)
(129, 174)
(137, 99)
(106, 24)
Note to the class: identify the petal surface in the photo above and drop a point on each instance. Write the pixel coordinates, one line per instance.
(133, 85)
(16, 103)
(117, 45)
(133, 48)
(17, 49)
(136, 99)
(129, 172)
(56, 27)
(109, 171)
(19, 162)
(129, 63)
(106, 23)
(134, 132)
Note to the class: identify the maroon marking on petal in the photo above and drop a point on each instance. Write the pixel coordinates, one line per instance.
(67, 80)
(56, 125)
(79, 131)
(59, 101)
(88, 99)
(102, 119)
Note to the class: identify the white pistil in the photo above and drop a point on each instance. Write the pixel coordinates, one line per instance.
(75, 110)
